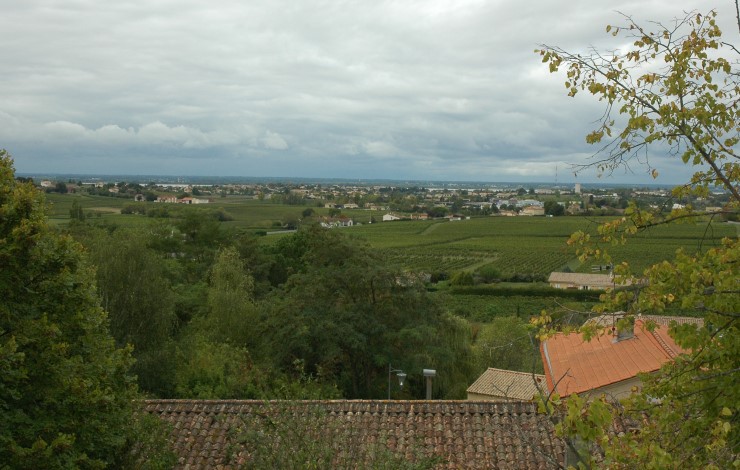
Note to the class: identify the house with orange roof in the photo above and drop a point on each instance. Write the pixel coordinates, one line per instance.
(608, 363)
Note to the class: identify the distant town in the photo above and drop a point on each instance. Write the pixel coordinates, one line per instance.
(398, 200)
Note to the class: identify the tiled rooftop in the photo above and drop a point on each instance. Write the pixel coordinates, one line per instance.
(509, 384)
(602, 361)
(610, 319)
(462, 434)
(582, 279)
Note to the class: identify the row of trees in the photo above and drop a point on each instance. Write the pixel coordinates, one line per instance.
(183, 308)
(212, 313)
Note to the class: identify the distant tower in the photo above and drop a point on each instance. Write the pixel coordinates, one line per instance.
(578, 188)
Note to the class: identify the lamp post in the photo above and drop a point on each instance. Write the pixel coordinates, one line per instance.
(401, 378)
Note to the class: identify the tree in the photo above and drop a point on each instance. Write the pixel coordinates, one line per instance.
(232, 314)
(505, 343)
(553, 208)
(136, 293)
(66, 392)
(346, 315)
(679, 95)
(61, 187)
(76, 212)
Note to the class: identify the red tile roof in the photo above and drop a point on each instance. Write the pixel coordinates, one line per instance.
(463, 434)
(578, 366)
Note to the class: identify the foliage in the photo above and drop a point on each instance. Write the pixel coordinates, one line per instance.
(488, 273)
(65, 390)
(675, 90)
(231, 311)
(506, 343)
(462, 278)
(346, 315)
(76, 212)
(136, 293)
(210, 370)
(553, 208)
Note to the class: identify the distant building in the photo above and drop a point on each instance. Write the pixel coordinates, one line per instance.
(532, 211)
(389, 217)
(333, 222)
(581, 281)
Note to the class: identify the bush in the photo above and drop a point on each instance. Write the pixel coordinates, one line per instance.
(134, 209)
(488, 274)
(462, 278)
(438, 276)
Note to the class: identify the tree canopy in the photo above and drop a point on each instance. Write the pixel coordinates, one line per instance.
(66, 393)
(673, 90)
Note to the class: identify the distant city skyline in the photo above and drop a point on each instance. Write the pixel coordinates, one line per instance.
(401, 90)
(211, 180)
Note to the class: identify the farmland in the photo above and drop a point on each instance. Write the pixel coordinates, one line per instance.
(513, 245)
(526, 245)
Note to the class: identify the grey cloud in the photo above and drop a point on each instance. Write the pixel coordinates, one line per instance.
(418, 89)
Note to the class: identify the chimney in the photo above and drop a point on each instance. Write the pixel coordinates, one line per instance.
(625, 328)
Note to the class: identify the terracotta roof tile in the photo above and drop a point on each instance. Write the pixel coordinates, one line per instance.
(507, 384)
(610, 319)
(463, 434)
(578, 366)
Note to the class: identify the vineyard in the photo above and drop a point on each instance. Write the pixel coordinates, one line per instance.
(522, 245)
(512, 245)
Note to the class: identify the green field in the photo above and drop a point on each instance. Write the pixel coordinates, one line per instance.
(522, 244)
(525, 245)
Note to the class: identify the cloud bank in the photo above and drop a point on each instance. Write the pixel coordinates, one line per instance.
(427, 89)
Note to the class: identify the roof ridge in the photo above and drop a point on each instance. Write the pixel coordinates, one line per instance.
(663, 343)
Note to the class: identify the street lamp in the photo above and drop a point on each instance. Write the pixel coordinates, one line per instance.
(401, 378)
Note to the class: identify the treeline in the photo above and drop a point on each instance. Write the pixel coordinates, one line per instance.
(213, 313)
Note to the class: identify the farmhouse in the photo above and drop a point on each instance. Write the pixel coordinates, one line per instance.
(461, 434)
(608, 363)
(193, 200)
(333, 222)
(533, 210)
(505, 385)
(581, 281)
(389, 217)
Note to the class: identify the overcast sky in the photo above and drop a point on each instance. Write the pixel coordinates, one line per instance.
(425, 89)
